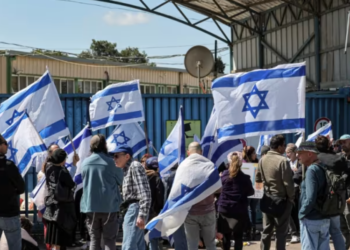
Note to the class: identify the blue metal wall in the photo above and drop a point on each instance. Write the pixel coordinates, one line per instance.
(160, 108)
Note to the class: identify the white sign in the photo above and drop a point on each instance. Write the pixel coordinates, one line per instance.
(320, 123)
(250, 169)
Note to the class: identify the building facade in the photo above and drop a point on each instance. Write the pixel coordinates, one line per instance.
(76, 76)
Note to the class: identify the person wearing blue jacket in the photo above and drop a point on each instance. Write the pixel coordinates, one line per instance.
(101, 196)
(314, 227)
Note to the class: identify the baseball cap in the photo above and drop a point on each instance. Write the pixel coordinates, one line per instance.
(344, 137)
(308, 146)
(152, 163)
(123, 149)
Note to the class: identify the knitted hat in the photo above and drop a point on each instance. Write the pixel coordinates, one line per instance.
(308, 146)
(152, 163)
(58, 156)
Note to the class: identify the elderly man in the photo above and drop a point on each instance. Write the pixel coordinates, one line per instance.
(101, 197)
(137, 198)
(314, 226)
(201, 219)
(11, 186)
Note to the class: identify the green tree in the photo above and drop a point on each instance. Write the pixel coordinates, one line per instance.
(49, 52)
(109, 51)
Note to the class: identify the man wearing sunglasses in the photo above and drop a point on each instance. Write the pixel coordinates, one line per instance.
(11, 186)
(137, 198)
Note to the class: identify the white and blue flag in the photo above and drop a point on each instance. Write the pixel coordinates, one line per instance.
(174, 149)
(263, 141)
(82, 147)
(214, 150)
(264, 101)
(208, 137)
(41, 102)
(130, 134)
(325, 130)
(118, 103)
(195, 179)
(24, 143)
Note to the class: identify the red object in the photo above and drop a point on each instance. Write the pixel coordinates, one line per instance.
(324, 120)
(48, 247)
(243, 142)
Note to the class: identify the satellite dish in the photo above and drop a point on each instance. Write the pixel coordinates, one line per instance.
(199, 61)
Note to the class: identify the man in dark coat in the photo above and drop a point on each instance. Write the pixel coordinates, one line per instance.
(11, 186)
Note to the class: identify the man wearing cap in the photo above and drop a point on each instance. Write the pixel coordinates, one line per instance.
(314, 227)
(137, 198)
(11, 186)
(101, 196)
(344, 142)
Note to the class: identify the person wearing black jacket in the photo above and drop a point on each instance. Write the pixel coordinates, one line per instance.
(157, 194)
(11, 186)
(337, 164)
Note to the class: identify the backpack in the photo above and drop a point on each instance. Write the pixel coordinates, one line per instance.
(333, 200)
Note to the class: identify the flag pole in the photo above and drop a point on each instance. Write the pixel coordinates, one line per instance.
(71, 141)
(155, 149)
(30, 120)
(146, 136)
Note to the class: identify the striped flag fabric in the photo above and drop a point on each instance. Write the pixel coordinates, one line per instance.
(118, 103)
(263, 101)
(41, 102)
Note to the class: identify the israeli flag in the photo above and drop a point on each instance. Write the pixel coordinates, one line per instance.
(264, 101)
(82, 148)
(41, 102)
(209, 134)
(24, 143)
(195, 179)
(263, 141)
(214, 150)
(129, 134)
(118, 103)
(174, 149)
(325, 131)
(38, 195)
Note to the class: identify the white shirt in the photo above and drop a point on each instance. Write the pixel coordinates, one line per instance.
(25, 236)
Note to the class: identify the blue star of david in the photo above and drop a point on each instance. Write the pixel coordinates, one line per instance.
(118, 105)
(162, 150)
(262, 104)
(122, 134)
(184, 191)
(15, 114)
(13, 152)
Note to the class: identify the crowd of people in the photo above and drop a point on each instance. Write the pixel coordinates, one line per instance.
(306, 194)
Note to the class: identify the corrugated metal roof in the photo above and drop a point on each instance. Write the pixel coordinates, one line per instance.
(229, 10)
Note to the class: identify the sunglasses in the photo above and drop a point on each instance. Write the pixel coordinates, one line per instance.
(117, 156)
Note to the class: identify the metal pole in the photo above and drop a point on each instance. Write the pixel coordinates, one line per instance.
(216, 59)
(347, 33)
(231, 50)
(317, 52)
